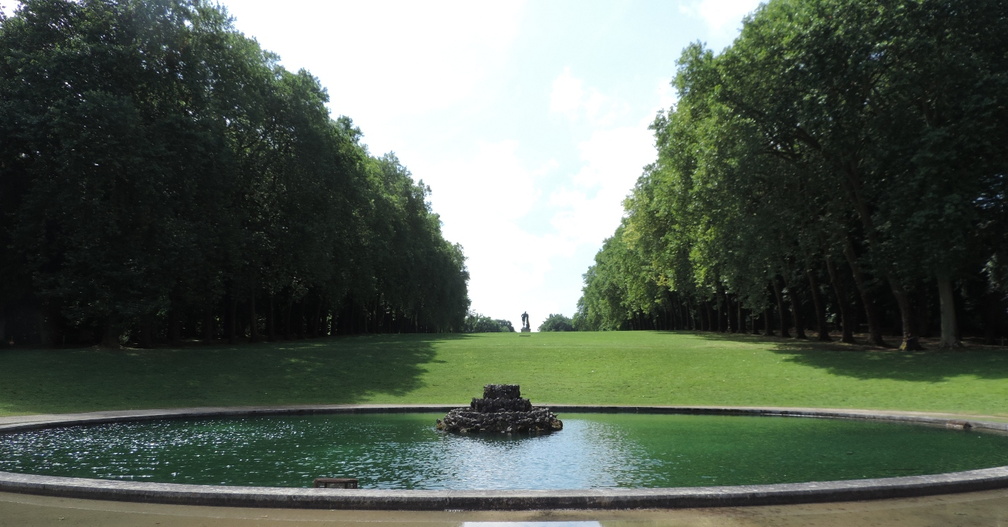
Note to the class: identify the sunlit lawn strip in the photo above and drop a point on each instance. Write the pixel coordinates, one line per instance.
(616, 368)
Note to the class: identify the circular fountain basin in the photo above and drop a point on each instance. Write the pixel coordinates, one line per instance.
(604, 458)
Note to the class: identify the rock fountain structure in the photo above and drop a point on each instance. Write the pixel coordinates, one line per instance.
(501, 410)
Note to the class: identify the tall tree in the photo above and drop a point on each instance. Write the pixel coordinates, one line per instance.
(163, 173)
(831, 132)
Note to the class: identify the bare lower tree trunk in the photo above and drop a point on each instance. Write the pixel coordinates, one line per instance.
(316, 320)
(718, 308)
(691, 316)
(146, 333)
(796, 317)
(174, 327)
(867, 298)
(778, 285)
(232, 318)
(111, 334)
(820, 311)
(253, 320)
(949, 324)
(739, 316)
(208, 326)
(44, 318)
(271, 330)
(846, 317)
(729, 327)
(910, 341)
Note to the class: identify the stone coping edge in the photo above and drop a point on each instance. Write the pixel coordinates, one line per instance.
(441, 500)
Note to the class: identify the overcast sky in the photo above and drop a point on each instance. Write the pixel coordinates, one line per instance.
(528, 120)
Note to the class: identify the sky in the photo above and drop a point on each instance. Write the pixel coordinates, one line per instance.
(528, 120)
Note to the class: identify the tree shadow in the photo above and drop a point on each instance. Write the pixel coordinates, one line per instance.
(339, 370)
(862, 361)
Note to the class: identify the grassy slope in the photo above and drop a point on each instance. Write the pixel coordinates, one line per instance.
(587, 368)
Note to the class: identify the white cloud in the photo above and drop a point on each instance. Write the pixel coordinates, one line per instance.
(567, 94)
(385, 60)
(426, 54)
(491, 187)
(722, 17)
(486, 199)
(443, 83)
(614, 157)
(570, 98)
(667, 96)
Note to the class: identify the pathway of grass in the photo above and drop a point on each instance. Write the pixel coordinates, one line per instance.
(585, 368)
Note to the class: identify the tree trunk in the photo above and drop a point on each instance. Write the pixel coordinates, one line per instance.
(231, 329)
(910, 341)
(146, 335)
(690, 317)
(50, 333)
(949, 324)
(271, 317)
(208, 326)
(316, 320)
(110, 335)
(285, 319)
(767, 322)
(846, 317)
(741, 316)
(729, 325)
(820, 311)
(253, 320)
(778, 284)
(718, 308)
(174, 326)
(799, 322)
(867, 298)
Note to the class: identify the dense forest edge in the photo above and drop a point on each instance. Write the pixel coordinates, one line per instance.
(840, 169)
(163, 178)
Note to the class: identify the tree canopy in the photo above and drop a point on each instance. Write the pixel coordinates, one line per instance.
(163, 177)
(842, 163)
(557, 322)
(477, 323)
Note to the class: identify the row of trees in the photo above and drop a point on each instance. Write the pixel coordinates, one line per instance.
(843, 164)
(477, 323)
(557, 322)
(163, 177)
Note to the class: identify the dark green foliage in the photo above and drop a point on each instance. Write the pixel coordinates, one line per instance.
(477, 323)
(841, 160)
(557, 322)
(162, 177)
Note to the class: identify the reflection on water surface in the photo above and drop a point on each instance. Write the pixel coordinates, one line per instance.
(404, 451)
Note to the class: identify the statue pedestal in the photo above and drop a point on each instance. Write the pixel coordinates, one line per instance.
(526, 330)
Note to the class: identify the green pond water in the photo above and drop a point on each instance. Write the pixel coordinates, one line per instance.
(404, 451)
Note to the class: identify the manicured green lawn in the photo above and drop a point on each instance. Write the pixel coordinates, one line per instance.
(647, 368)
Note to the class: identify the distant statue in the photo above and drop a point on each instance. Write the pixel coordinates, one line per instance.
(525, 320)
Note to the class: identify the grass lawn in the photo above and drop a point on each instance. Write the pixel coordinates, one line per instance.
(627, 368)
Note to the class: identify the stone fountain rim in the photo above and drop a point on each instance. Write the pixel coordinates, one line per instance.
(429, 500)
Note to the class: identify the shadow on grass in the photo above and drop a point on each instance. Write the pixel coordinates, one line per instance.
(343, 370)
(862, 361)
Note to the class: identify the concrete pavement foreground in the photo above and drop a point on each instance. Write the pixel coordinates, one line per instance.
(968, 505)
(975, 509)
